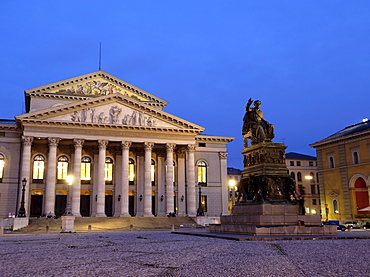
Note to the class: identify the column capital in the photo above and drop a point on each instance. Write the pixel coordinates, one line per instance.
(78, 142)
(126, 145)
(102, 144)
(191, 147)
(148, 146)
(222, 155)
(170, 147)
(27, 141)
(53, 141)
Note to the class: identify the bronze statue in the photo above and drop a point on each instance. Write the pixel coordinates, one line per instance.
(255, 127)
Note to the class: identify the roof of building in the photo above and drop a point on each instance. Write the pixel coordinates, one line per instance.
(7, 121)
(231, 170)
(297, 156)
(352, 130)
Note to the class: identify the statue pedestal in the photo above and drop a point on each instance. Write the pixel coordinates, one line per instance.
(265, 159)
(271, 219)
(68, 223)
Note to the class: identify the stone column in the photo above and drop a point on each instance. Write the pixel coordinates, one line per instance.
(148, 146)
(100, 203)
(192, 208)
(170, 207)
(25, 173)
(224, 184)
(76, 185)
(125, 183)
(181, 182)
(51, 176)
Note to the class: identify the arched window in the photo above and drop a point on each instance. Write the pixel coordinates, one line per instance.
(335, 206)
(202, 173)
(355, 158)
(152, 172)
(292, 175)
(62, 168)
(85, 169)
(331, 162)
(38, 168)
(131, 171)
(299, 177)
(108, 172)
(2, 164)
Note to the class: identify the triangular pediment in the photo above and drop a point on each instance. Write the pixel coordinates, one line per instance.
(115, 110)
(94, 85)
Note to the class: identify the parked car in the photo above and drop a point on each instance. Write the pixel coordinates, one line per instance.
(335, 222)
(352, 224)
(367, 225)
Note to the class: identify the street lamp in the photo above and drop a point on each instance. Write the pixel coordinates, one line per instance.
(22, 210)
(232, 185)
(68, 210)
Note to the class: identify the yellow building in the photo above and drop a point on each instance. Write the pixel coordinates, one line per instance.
(344, 173)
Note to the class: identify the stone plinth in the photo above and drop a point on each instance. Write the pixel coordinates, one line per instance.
(68, 223)
(271, 219)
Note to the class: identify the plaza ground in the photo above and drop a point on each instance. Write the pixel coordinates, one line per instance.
(164, 253)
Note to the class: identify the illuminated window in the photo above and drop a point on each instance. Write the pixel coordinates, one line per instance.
(38, 167)
(335, 206)
(2, 164)
(204, 203)
(131, 171)
(152, 173)
(202, 173)
(85, 169)
(62, 168)
(108, 172)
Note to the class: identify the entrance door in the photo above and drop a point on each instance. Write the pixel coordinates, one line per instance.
(108, 205)
(153, 205)
(60, 205)
(85, 205)
(36, 205)
(131, 205)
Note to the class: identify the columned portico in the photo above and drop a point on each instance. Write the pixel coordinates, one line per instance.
(148, 146)
(25, 173)
(51, 176)
(192, 210)
(100, 199)
(125, 179)
(170, 207)
(76, 186)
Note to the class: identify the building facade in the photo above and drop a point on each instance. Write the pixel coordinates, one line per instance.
(344, 173)
(303, 169)
(104, 147)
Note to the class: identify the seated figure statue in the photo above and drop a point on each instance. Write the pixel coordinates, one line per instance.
(255, 127)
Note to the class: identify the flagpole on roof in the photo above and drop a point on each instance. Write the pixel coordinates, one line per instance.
(100, 57)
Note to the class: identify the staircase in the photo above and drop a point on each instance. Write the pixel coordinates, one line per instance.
(112, 223)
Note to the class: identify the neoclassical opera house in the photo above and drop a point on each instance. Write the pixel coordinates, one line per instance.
(109, 149)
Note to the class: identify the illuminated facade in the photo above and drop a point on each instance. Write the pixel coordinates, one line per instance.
(303, 169)
(344, 173)
(127, 157)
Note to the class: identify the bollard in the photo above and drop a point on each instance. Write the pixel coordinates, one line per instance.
(89, 229)
(1, 230)
(47, 229)
(173, 228)
(131, 227)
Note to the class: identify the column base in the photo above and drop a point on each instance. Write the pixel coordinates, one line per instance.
(124, 215)
(77, 214)
(148, 215)
(100, 215)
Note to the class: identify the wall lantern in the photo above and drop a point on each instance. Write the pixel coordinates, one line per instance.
(96, 197)
(182, 198)
(119, 197)
(162, 198)
(141, 198)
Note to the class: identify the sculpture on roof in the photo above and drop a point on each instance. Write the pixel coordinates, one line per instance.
(255, 127)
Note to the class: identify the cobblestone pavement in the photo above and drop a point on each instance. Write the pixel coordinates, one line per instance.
(161, 253)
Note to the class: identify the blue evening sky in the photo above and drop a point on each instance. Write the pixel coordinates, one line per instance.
(307, 61)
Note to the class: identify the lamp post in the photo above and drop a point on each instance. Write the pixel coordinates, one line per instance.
(22, 210)
(68, 210)
(232, 184)
(200, 208)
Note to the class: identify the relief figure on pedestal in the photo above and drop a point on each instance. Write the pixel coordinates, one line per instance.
(255, 127)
